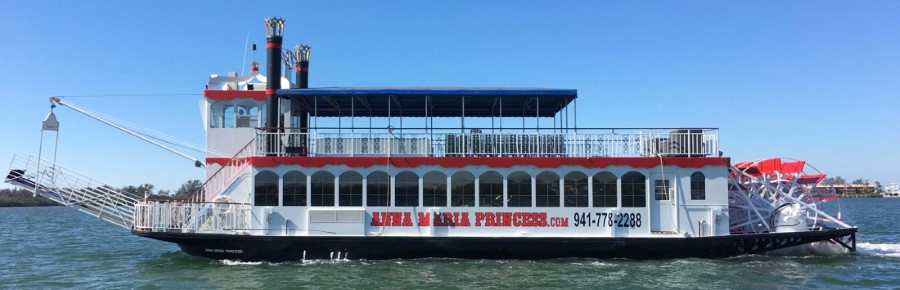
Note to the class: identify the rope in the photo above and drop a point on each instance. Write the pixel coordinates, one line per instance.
(128, 95)
(154, 134)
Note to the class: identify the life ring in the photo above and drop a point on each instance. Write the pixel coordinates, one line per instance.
(223, 205)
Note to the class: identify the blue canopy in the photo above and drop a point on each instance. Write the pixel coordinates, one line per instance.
(431, 101)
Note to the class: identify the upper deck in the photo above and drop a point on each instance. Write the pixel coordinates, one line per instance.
(527, 109)
(471, 122)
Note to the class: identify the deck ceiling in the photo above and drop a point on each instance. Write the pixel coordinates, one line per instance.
(431, 101)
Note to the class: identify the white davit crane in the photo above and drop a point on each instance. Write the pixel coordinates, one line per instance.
(57, 100)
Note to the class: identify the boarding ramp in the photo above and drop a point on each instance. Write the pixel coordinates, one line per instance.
(72, 189)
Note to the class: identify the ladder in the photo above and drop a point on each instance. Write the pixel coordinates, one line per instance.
(72, 189)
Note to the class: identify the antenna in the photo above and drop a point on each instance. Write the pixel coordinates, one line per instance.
(244, 62)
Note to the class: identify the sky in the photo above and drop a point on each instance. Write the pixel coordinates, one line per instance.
(812, 80)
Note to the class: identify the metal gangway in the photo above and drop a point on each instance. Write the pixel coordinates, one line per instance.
(72, 189)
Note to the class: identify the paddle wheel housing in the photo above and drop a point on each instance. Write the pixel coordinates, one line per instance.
(780, 195)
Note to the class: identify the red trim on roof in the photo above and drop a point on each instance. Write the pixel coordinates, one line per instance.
(231, 95)
(494, 162)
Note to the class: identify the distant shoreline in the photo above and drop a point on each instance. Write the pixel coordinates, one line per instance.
(29, 205)
(22, 198)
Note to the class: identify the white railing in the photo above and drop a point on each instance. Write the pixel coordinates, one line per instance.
(585, 143)
(192, 217)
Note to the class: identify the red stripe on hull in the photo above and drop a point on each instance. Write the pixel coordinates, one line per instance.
(230, 95)
(493, 162)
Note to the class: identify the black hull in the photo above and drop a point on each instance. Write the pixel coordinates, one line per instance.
(279, 249)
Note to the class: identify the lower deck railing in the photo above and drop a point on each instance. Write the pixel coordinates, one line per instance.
(192, 217)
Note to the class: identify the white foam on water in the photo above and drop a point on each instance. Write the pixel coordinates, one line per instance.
(235, 262)
(883, 250)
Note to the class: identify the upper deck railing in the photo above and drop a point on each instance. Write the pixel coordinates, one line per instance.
(622, 142)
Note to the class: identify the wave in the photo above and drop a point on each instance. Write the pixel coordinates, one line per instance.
(235, 262)
(883, 250)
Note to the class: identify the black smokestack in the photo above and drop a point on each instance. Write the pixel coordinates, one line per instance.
(274, 32)
(302, 52)
(303, 65)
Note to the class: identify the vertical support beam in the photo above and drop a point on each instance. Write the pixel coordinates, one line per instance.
(365, 190)
(590, 191)
(462, 120)
(534, 190)
(537, 114)
(477, 182)
(337, 189)
(449, 191)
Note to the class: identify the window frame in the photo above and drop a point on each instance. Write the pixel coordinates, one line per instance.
(698, 186)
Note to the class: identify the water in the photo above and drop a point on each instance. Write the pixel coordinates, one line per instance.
(63, 248)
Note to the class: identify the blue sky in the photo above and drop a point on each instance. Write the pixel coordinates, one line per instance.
(814, 80)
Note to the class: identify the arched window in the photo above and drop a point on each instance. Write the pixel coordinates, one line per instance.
(266, 189)
(575, 192)
(547, 185)
(322, 189)
(634, 190)
(462, 189)
(350, 189)
(434, 191)
(518, 190)
(378, 189)
(217, 114)
(698, 186)
(490, 189)
(605, 190)
(406, 189)
(294, 189)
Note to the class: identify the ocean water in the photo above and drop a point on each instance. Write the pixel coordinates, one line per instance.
(63, 248)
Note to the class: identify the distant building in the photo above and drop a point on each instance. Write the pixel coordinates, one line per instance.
(845, 189)
(892, 190)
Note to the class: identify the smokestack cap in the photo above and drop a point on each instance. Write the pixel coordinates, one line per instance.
(274, 26)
